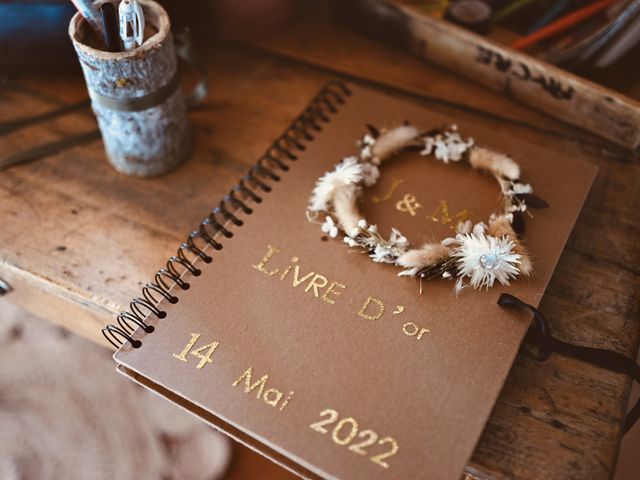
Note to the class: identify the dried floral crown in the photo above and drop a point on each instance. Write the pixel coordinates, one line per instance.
(478, 255)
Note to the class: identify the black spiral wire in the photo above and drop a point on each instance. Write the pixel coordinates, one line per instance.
(257, 182)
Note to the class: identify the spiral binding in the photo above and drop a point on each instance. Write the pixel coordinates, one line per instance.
(249, 190)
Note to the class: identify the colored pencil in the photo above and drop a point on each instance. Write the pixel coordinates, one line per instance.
(510, 9)
(570, 20)
(554, 12)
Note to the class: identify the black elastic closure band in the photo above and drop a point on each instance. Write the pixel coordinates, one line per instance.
(137, 104)
(539, 334)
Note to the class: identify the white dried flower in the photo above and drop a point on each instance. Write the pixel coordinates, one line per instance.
(362, 223)
(517, 188)
(393, 140)
(485, 259)
(397, 239)
(449, 241)
(429, 143)
(479, 229)
(350, 241)
(347, 172)
(449, 146)
(372, 229)
(370, 174)
(442, 151)
(410, 272)
(329, 227)
(383, 254)
(464, 227)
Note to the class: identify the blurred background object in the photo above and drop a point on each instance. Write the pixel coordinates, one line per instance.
(33, 35)
(59, 422)
(594, 38)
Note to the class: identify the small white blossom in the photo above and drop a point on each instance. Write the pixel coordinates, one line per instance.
(428, 146)
(446, 275)
(350, 241)
(370, 174)
(442, 151)
(354, 232)
(518, 188)
(329, 227)
(485, 259)
(479, 229)
(366, 153)
(383, 254)
(362, 223)
(373, 229)
(410, 272)
(368, 139)
(397, 239)
(449, 241)
(449, 146)
(464, 227)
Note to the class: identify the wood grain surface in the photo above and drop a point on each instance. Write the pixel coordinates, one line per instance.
(78, 240)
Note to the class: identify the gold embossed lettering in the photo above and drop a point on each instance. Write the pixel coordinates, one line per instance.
(318, 281)
(182, 356)
(296, 276)
(387, 196)
(247, 382)
(412, 330)
(347, 429)
(275, 395)
(286, 401)
(365, 307)
(271, 251)
(205, 358)
(408, 205)
(314, 282)
(271, 396)
(379, 459)
(288, 269)
(331, 291)
(441, 213)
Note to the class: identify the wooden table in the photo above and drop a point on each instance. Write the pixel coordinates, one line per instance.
(78, 240)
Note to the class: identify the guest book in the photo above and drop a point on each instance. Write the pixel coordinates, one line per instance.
(304, 349)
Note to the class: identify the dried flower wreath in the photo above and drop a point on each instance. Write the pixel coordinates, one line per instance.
(478, 255)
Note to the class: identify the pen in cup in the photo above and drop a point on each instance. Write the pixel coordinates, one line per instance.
(110, 26)
(131, 24)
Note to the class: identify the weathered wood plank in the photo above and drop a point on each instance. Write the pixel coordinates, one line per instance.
(317, 42)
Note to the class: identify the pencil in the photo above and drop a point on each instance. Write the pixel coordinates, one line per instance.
(561, 24)
(510, 9)
(551, 14)
(90, 14)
